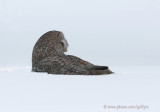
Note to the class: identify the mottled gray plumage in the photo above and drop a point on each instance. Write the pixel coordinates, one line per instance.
(48, 56)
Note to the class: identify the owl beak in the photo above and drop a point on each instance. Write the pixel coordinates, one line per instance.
(65, 50)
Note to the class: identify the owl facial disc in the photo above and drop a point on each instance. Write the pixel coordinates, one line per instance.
(62, 42)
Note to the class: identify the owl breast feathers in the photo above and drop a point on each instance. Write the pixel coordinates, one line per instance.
(48, 56)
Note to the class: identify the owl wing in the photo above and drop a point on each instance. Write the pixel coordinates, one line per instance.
(70, 65)
(91, 69)
(79, 62)
(59, 65)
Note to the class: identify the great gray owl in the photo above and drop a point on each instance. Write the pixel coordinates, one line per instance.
(48, 56)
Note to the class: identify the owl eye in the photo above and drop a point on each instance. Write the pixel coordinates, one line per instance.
(62, 44)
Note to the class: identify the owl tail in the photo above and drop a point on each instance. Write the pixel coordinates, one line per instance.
(100, 70)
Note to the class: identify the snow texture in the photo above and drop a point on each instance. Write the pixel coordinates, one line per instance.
(24, 91)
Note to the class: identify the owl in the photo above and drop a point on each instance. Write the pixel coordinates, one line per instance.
(48, 56)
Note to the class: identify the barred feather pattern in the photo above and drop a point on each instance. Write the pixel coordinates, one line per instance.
(47, 56)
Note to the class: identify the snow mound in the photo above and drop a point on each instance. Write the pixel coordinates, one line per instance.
(24, 91)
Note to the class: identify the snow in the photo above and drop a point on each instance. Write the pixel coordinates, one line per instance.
(25, 91)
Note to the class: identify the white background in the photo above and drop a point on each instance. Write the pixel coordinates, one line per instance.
(123, 34)
(115, 32)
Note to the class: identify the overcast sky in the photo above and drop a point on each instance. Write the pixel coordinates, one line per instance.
(112, 32)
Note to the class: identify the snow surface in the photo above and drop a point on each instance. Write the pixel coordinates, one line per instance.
(24, 91)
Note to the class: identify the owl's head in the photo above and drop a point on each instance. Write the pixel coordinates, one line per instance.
(62, 42)
(51, 42)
